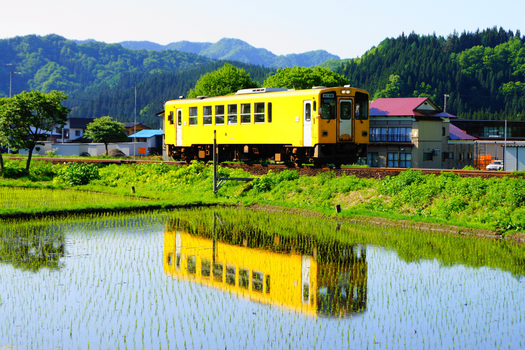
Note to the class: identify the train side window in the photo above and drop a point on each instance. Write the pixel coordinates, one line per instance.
(219, 115)
(257, 281)
(217, 272)
(179, 117)
(269, 112)
(230, 275)
(206, 268)
(258, 113)
(246, 113)
(315, 106)
(193, 116)
(170, 117)
(244, 278)
(232, 114)
(361, 106)
(206, 115)
(192, 264)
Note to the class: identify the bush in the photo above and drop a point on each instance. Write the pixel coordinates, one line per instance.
(76, 174)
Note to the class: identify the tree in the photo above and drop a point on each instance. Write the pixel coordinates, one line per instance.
(27, 119)
(395, 88)
(304, 78)
(106, 130)
(224, 81)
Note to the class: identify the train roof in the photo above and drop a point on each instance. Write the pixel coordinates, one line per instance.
(254, 91)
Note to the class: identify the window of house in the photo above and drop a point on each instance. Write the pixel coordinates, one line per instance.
(219, 115)
(232, 114)
(206, 115)
(258, 112)
(78, 132)
(193, 116)
(246, 113)
(372, 159)
(427, 156)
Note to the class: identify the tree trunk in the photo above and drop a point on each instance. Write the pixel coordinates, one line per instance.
(29, 155)
(1, 164)
(106, 149)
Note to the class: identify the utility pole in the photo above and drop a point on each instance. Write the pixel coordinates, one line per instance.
(11, 78)
(445, 102)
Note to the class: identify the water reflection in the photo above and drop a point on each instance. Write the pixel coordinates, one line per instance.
(317, 278)
(32, 247)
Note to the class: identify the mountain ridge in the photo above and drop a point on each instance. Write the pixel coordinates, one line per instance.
(237, 50)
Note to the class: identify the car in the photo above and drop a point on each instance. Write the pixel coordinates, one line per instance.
(495, 165)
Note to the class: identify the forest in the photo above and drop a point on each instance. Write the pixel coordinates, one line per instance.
(481, 73)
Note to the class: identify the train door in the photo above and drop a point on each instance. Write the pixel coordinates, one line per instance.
(345, 120)
(307, 123)
(179, 127)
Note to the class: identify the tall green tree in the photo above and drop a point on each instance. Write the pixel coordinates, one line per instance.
(304, 78)
(106, 130)
(27, 119)
(224, 81)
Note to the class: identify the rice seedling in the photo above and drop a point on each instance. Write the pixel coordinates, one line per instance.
(111, 281)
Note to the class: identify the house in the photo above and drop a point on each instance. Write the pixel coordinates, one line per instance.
(131, 128)
(153, 139)
(413, 132)
(73, 130)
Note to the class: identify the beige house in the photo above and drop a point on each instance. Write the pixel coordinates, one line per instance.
(414, 133)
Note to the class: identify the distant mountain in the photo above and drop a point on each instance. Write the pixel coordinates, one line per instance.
(238, 50)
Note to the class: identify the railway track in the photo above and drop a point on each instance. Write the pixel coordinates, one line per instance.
(262, 169)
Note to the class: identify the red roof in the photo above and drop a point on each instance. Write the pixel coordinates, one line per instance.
(406, 107)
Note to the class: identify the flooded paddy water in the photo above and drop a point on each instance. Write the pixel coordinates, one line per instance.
(239, 279)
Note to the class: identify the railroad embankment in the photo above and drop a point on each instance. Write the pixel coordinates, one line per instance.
(444, 201)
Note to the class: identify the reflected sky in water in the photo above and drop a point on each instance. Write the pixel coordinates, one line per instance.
(113, 290)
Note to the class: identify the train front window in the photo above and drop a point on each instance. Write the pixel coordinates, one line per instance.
(346, 110)
(327, 108)
(361, 106)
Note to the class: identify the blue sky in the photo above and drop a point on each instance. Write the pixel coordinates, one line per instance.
(347, 28)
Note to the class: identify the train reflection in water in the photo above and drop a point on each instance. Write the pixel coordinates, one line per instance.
(317, 278)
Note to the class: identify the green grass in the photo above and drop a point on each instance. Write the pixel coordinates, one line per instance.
(495, 204)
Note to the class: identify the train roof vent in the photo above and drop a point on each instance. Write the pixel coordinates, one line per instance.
(258, 90)
(201, 97)
(319, 87)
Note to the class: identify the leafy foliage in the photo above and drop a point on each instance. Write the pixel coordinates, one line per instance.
(106, 130)
(76, 174)
(304, 78)
(224, 81)
(27, 118)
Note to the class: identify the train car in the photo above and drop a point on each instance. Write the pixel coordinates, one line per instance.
(307, 283)
(318, 126)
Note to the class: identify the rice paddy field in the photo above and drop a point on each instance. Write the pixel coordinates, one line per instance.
(242, 279)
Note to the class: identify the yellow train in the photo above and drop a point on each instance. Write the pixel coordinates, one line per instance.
(319, 125)
(315, 284)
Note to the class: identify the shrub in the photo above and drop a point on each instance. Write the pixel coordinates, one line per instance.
(77, 174)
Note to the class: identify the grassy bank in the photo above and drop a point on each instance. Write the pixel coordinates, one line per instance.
(495, 204)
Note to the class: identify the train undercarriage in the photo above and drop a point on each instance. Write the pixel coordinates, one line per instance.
(318, 155)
